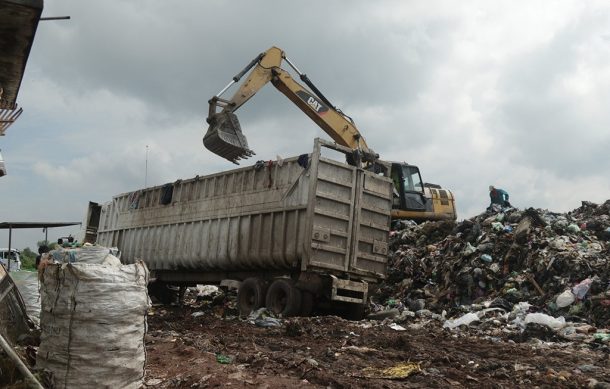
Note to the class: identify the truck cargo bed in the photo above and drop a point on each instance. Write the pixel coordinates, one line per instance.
(303, 214)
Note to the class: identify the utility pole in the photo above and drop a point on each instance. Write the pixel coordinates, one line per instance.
(146, 168)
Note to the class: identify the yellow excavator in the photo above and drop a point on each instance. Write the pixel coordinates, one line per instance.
(413, 198)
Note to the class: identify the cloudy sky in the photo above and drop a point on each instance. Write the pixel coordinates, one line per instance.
(473, 92)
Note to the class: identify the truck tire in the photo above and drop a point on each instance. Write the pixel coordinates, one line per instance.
(251, 295)
(283, 298)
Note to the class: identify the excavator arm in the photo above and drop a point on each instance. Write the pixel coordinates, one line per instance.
(224, 136)
(413, 199)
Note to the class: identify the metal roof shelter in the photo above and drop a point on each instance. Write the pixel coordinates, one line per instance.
(18, 23)
(18, 225)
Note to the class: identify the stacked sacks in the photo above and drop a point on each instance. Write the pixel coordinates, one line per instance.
(532, 255)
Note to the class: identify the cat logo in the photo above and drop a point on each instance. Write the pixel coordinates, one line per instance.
(313, 102)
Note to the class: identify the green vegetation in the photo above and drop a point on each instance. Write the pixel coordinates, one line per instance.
(50, 245)
(28, 259)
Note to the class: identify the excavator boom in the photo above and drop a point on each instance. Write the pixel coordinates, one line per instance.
(224, 136)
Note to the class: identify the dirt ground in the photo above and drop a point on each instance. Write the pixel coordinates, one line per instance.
(207, 351)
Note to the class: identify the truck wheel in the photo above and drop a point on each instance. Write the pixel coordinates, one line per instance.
(283, 298)
(251, 295)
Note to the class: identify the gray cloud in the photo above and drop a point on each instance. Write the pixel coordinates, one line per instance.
(475, 93)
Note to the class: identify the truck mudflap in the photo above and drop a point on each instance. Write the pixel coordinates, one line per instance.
(349, 291)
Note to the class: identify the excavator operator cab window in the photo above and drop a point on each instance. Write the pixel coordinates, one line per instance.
(412, 179)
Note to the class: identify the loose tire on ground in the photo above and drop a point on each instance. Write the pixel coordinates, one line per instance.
(251, 295)
(283, 298)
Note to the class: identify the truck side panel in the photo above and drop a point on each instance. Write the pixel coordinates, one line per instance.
(234, 221)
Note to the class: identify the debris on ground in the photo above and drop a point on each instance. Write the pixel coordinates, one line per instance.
(331, 352)
(509, 298)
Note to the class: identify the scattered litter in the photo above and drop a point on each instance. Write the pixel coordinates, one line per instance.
(546, 320)
(397, 327)
(400, 371)
(466, 320)
(565, 299)
(601, 336)
(206, 290)
(224, 359)
(264, 318)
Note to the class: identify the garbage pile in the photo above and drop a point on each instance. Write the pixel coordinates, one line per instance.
(556, 262)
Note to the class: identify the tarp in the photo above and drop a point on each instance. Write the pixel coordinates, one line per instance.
(13, 316)
(27, 284)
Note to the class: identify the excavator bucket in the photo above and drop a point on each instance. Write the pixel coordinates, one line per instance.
(224, 138)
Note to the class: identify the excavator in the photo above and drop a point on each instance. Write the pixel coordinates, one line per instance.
(413, 199)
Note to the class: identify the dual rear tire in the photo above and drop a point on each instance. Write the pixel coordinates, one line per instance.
(251, 295)
(282, 297)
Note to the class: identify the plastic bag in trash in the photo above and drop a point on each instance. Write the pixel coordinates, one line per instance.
(565, 299)
(467, 319)
(580, 290)
(546, 320)
(469, 249)
(264, 318)
(497, 226)
(486, 258)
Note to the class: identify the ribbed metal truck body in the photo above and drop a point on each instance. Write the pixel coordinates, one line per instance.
(303, 215)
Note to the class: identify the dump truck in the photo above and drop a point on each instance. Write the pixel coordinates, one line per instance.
(293, 233)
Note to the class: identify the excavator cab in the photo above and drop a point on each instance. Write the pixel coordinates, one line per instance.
(416, 200)
(409, 187)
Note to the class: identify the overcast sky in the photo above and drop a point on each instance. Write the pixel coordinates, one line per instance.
(473, 92)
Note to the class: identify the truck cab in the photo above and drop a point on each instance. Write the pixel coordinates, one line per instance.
(13, 256)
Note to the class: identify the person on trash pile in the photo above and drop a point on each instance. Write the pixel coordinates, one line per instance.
(498, 196)
(41, 250)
